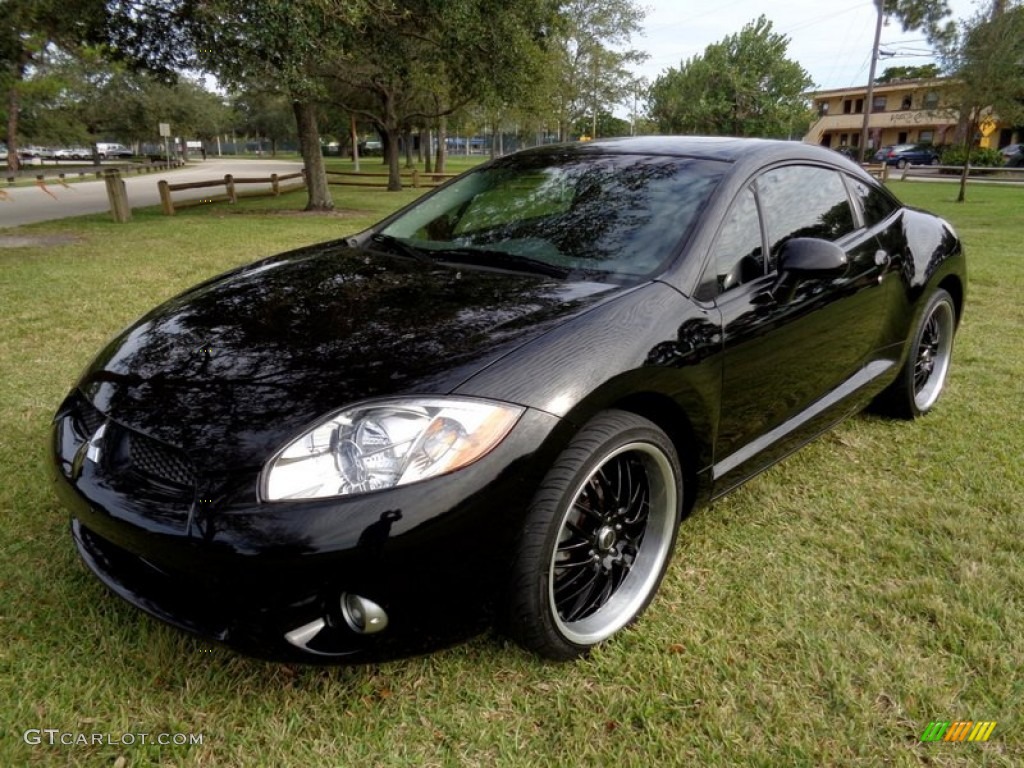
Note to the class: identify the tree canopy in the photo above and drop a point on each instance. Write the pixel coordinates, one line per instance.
(923, 72)
(985, 57)
(743, 85)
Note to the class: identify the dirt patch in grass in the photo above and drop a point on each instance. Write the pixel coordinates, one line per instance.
(36, 241)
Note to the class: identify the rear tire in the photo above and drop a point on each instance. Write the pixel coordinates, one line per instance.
(597, 539)
(923, 376)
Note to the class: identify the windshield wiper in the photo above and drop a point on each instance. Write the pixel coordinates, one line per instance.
(501, 260)
(394, 245)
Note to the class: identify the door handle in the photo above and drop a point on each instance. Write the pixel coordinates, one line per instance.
(882, 261)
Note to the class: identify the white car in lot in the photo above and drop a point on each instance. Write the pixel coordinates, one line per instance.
(107, 150)
(43, 153)
(73, 153)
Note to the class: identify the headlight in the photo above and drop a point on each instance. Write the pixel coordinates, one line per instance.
(381, 445)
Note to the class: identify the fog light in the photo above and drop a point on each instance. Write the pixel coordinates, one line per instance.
(362, 615)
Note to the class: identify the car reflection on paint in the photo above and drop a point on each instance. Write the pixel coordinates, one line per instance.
(497, 405)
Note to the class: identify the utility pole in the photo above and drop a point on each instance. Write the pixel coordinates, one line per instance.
(869, 97)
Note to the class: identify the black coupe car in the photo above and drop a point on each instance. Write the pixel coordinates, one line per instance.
(498, 404)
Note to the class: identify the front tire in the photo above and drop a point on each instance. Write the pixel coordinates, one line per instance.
(597, 539)
(923, 376)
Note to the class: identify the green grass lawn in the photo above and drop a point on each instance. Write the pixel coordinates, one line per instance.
(823, 614)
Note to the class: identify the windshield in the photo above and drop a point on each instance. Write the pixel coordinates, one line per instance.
(614, 215)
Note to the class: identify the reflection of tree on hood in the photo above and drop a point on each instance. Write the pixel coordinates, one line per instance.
(222, 369)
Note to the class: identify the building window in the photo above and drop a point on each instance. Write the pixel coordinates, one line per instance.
(926, 137)
(931, 100)
(844, 139)
(878, 104)
(856, 139)
(901, 137)
(822, 108)
(847, 106)
(907, 103)
(859, 107)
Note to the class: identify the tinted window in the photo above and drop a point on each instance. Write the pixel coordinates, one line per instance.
(876, 205)
(738, 255)
(803, 201)
(621, 215)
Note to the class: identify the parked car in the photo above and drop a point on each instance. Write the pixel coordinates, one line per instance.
(32, 151)
(902, 155)
(73, 153)
(881, 153)
(107, 150)
(1014, 155)
(502, 399)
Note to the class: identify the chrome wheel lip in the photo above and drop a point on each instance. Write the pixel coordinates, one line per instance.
(934, 354)
(629, 598)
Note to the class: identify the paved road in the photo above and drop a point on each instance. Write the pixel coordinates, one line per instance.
(25, 205)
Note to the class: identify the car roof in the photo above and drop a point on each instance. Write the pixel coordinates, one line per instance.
(722, 148)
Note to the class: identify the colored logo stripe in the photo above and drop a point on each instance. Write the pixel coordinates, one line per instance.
(935, 731)
(982, 731)
(958, 731)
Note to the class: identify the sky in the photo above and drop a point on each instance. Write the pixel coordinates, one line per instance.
(831, 39)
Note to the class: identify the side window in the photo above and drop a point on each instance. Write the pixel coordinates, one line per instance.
(737, 256)
(876, 205)
(803, 201)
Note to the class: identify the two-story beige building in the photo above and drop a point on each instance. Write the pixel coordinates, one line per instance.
(901, 112)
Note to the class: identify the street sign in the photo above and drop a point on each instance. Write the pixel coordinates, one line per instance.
(165, 129)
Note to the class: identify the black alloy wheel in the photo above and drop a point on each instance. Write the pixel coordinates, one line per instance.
(923, 376)
(598, 538)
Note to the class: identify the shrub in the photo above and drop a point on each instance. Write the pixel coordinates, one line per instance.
(980, 157)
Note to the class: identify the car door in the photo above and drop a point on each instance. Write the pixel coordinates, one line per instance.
(794, 352)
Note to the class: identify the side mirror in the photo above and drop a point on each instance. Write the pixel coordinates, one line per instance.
(806, 258)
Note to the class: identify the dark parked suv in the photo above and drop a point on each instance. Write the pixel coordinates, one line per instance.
(902, 155)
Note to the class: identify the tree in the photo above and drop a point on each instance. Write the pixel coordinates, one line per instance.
(29, 29)
(986, 61)
(284, 43)
(591, 75)
(741, 86)
(926, 15)
(264, 114)
(399, 71)
(142, 34)
(924, 72)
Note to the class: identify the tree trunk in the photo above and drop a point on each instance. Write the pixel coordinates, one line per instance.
(13, 108)
(422, 143)
(355, 143)
(407, 142)
(425, 145)
(391, 157)
(318, 192)
(962, 195)
(442, 142)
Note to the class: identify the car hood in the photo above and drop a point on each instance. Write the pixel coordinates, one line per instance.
(232, 368)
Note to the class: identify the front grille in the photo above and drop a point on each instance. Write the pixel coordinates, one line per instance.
(159, 461)
(89, 418)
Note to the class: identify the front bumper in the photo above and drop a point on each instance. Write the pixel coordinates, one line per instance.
(206, 557)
